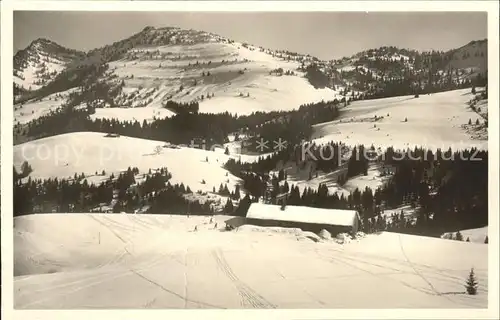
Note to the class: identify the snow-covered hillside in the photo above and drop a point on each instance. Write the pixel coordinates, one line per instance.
(434, 121)
(221, 76)
(366, 69)
(477, 235)
(34, 109)
(70, 261)
(89, 152)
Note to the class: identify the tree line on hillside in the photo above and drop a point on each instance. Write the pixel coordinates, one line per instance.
(85, 75)
(188, 127)
(179, 107)
(123, 193)
(450, 189)
(326, 157)
(389, 71)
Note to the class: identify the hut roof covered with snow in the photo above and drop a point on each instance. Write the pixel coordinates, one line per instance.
(310, 215)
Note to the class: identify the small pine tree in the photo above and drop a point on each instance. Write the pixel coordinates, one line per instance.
(229, 208)
(26, 169)
(468, 240)
(458, 236)
(486, 240)
(477, 122)
(473, 91)
(471, 283)
(470, 121)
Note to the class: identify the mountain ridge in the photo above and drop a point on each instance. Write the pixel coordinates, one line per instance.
(372, 73)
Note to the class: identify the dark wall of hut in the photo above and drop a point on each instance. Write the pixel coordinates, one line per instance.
(312, 227)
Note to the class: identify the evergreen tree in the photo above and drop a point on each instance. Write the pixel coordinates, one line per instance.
(237, 192)
(226, 191)
(26, 169)
(471, 283)
(486, 240)
(458, 236)
(243, 206)
(468, 240)
(229, 208)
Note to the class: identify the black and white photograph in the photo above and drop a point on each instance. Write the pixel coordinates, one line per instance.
(251, 159)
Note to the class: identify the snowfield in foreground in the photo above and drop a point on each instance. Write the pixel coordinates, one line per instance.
(434, 121)
(65, 261)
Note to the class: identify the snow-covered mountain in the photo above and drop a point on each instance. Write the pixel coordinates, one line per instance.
(40, 62)
(157, 65)
(160, 64)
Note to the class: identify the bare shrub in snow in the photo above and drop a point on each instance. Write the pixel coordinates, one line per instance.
(157, 150)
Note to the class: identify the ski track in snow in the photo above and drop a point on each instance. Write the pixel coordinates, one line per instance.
(155, 261)
(249, 296)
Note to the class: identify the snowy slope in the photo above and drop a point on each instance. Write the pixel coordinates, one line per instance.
(434, 121)
(68, 261)
(87, 152)
(475, 235)
(148, 114)
(32, 110)
(225, 70)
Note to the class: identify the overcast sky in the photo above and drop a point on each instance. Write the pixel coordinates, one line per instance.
(326, 35)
